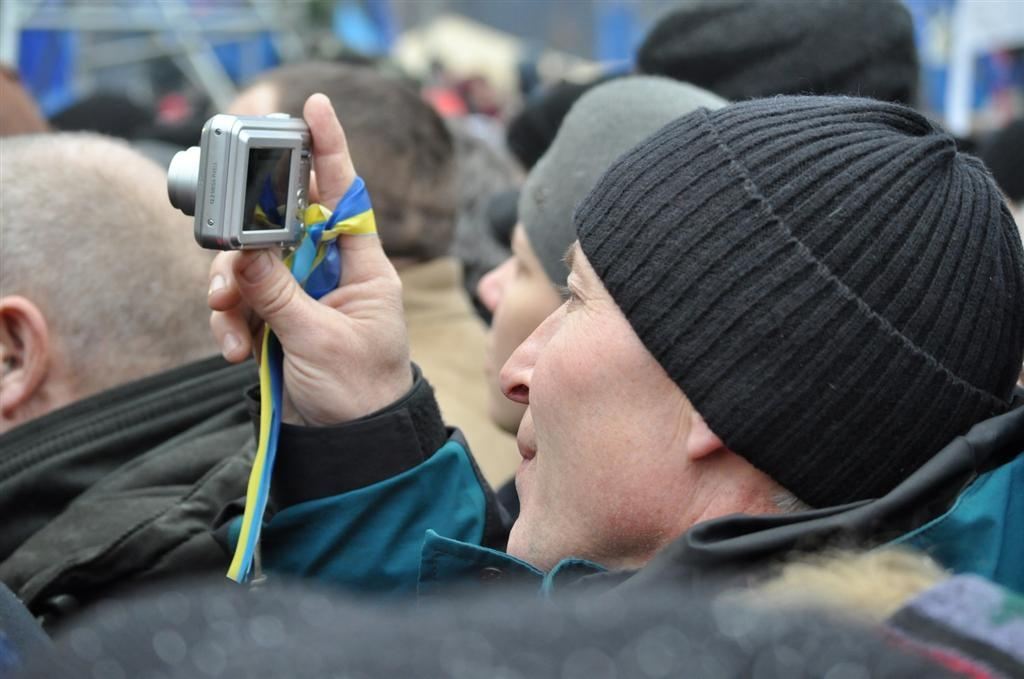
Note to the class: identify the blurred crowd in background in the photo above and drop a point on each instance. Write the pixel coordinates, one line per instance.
(165, 66)
(502, 73)
(180, 58)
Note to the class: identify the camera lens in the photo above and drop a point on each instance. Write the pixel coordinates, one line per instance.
(183, 178)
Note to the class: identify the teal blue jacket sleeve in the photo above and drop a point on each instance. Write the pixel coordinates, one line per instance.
(371, 539)
(353, 503)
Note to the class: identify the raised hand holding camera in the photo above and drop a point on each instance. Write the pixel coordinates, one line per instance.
(345, 355)
(329, 360)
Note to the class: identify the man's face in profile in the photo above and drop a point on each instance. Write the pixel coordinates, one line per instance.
(604, 476)
(520, 296)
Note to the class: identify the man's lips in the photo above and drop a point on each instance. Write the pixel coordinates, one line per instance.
(526, 437)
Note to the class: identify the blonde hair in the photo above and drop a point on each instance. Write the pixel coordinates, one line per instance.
(868, 585)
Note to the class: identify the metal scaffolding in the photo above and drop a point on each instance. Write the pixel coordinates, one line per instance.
(123, 33)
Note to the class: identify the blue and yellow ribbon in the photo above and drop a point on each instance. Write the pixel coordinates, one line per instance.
(316, 264)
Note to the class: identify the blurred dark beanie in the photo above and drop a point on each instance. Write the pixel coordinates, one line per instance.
(1003, 153)
(110, 113)
(501, 215)
(740, 49)
(836, 289)
(532, 130)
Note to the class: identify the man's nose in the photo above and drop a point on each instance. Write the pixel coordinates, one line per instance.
(517, 373)
(491, 287)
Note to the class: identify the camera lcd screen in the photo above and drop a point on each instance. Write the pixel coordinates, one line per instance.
(266, 189)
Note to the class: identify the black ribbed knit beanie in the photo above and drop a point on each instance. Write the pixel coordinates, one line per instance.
(837, 290)
(740, 49)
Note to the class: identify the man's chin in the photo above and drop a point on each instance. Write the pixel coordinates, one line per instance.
(522, 542)
(524, 545)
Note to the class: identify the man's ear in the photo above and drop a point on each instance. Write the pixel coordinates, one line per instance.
(25, 352)
(701, 441)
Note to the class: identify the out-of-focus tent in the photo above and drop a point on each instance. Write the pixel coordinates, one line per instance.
(467, 48)
(995, 24)
(60, 45)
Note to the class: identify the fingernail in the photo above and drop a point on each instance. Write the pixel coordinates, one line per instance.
(258, 268)
(229, 344)
(216, 284)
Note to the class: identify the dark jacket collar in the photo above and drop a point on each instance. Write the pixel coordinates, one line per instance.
(47, 462)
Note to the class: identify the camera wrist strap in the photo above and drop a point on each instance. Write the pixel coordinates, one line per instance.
(316, 264)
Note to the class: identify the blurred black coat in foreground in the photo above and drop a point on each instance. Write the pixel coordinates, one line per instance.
(217, 629)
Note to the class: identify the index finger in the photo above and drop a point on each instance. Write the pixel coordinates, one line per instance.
(223, 292)
(331, 159)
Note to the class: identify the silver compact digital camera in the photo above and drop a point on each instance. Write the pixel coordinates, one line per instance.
(246, 183)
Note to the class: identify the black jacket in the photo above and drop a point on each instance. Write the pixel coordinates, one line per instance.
(122, 486)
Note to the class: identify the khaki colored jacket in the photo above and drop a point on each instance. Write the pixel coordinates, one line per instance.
(447, 340)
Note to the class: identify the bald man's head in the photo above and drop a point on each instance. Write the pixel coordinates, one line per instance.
(91, 241)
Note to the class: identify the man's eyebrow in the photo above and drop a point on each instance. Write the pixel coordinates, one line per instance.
(569, 256)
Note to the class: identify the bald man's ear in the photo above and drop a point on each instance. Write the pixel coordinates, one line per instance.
(25, 347)
(701, 441)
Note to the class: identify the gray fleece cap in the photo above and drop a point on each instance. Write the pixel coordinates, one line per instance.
(605, 123)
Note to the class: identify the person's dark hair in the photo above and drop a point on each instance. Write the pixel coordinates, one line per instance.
(400, 146)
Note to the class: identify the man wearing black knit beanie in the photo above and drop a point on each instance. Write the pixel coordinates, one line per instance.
(852, 284)
(791, 322)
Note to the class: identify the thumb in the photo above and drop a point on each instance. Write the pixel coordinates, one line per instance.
(271, 291)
